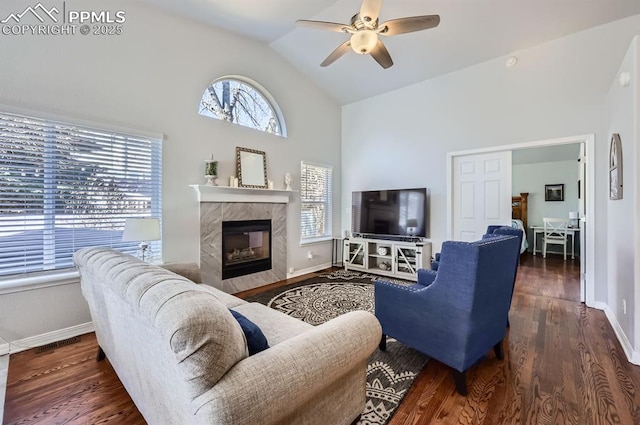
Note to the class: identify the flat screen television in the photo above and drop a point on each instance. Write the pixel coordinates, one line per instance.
(390, 213)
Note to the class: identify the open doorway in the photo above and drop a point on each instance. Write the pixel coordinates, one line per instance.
(551, 180)
(585, 205)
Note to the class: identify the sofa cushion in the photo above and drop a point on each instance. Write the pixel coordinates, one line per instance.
(227, 299)
(189, 270)
(256, 341)
(276, 326)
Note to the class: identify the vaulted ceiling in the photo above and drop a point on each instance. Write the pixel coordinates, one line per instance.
(470, 32)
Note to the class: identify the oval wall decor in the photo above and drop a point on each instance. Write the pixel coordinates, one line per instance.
(615, 167)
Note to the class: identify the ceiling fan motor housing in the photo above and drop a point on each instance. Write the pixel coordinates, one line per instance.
(366, 23)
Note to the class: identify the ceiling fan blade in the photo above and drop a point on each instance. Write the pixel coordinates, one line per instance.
(337, 54)
(411, 24)
(320, 25)
(381, 55)
(370, 9)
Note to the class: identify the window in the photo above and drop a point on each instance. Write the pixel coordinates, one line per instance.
(315, 202)
(242, 101)
(65, 187)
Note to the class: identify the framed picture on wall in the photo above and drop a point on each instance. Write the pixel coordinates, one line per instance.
(554, 192)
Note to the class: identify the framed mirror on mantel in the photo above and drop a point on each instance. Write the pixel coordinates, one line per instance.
(251, 168)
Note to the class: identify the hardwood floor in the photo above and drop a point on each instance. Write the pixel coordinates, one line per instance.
(563, 365)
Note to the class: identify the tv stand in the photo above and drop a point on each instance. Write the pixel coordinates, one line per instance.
(396, 258)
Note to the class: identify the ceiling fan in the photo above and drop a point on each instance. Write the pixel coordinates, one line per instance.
(364, 30)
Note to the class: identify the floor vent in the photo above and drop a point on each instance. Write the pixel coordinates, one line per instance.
(57, 344)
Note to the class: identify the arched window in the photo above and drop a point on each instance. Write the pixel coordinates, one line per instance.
(242, 101)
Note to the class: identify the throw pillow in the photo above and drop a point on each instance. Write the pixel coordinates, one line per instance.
(256, 341)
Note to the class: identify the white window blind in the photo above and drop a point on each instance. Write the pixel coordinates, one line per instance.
(315, 202)
(65, 186)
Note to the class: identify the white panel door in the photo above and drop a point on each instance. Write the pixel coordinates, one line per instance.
(582, 208)
(481, 193)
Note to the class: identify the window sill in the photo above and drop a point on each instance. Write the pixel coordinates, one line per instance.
(316, 241)
(29, 283)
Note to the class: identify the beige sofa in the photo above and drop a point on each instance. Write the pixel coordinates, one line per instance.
(183, 357)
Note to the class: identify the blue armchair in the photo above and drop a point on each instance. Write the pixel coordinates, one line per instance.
(491, 231)
(504, 230)
(458, 313)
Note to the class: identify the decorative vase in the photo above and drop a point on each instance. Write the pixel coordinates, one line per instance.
(211, 180)
(211, 171)
(287, 181)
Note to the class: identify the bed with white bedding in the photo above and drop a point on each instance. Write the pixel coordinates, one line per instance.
(518, 224)
(519, 216)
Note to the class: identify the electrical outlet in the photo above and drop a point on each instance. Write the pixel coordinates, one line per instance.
(291, 270)
(624, 306)
(309, 255)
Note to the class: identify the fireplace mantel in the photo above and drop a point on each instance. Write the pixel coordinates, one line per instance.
(241, 194)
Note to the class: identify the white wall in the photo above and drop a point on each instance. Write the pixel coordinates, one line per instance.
(532, 177)
(622, 222)
(556, 90)
(152, 78)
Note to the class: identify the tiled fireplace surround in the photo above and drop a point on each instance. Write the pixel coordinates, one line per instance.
(218, 204)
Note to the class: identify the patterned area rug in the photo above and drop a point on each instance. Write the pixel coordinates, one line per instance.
(389, 373)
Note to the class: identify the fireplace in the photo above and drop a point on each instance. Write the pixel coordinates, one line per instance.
(222, 203)
(246, 247)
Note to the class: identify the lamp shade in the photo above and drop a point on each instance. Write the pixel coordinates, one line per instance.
(412, 222)
(141, 229)
(573, 215)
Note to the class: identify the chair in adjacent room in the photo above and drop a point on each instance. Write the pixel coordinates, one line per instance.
(555, 233)
(457, 314)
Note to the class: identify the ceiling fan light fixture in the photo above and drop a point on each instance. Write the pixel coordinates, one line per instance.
(364, 41)
(364, 30)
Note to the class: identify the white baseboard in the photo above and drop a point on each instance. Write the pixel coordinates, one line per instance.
(632, 355)
(599, 305)
(308, 270)
(49, 337)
